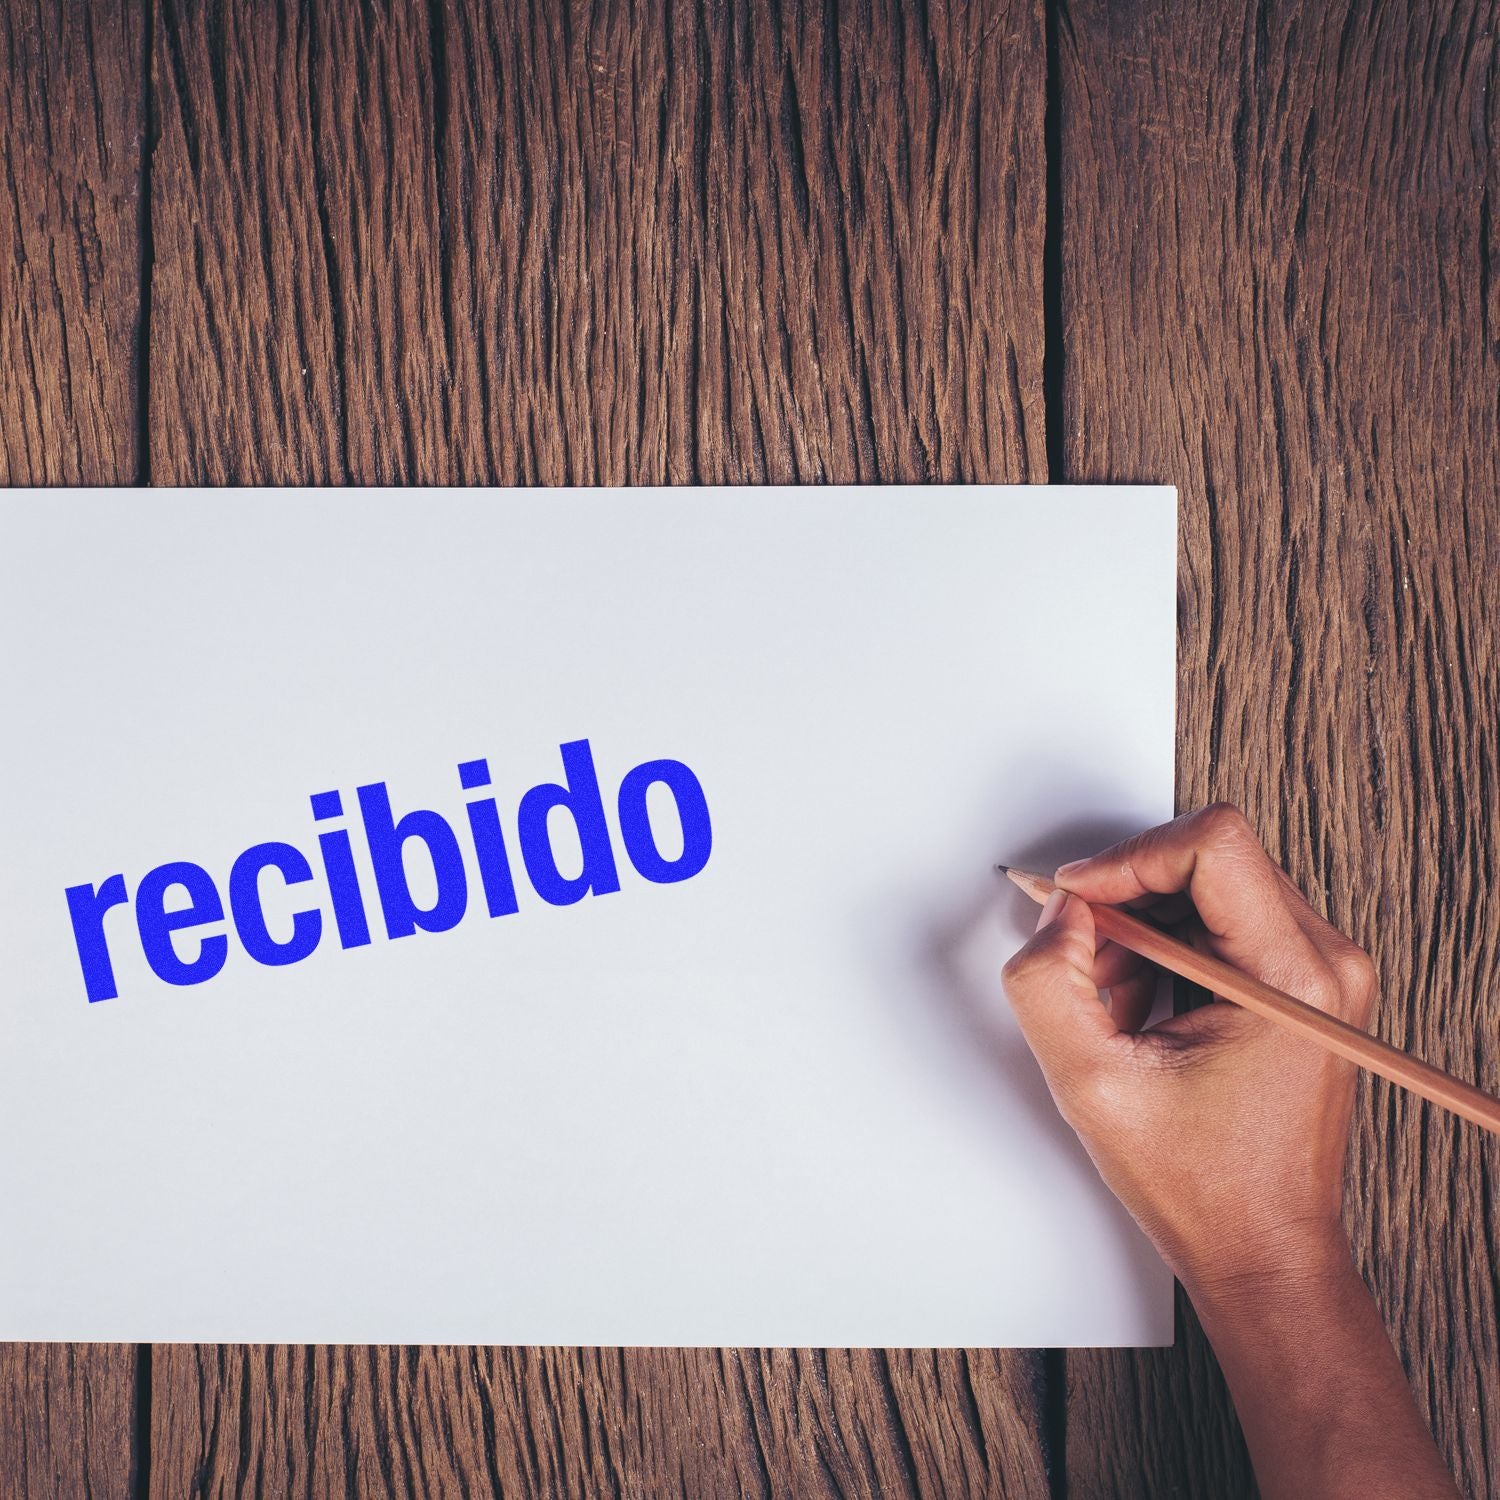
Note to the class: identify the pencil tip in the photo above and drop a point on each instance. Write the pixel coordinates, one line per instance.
(1003, 869)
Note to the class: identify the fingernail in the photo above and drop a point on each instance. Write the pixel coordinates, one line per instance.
(1051, 907)
(1071, 868)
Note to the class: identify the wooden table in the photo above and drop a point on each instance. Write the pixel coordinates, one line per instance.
(1252, 250)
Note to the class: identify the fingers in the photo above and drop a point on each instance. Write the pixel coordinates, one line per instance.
(1243, 899)
(1166, 911)
(1131, 1000)
(1212, 854)
(1352, 966)
(1114, 964)
(1130, 981)
(1051, 988)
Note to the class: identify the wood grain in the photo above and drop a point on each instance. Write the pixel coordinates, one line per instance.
(72, 117)
(69, 1420)
(1280, 293)
(71, 121)
(604, 244)
(547, 1422)
(599, 245)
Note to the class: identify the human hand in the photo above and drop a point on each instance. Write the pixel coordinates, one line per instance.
(1221, 1133)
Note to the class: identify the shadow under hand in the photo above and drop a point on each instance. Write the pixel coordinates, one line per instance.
(963, 955)
(964, 950)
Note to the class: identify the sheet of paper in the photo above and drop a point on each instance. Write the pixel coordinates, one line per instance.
(756, 1085)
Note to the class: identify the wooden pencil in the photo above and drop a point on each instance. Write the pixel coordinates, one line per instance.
(1306, 1020)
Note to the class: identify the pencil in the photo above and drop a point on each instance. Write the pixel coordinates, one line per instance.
(1347, 1041)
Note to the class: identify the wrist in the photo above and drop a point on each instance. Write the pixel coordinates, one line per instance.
(1297, 1263)
(1320, 1393)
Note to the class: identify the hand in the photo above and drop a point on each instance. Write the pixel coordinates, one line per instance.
(1224, 1135)
(1220, 1132)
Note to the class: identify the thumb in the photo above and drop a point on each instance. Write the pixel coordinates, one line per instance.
(1051, 988)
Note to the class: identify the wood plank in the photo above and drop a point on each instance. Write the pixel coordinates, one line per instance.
(69, 1421)
(545, 1422)
(1280, 293)
(600, 244)
(72, 116)
(72, 120)
(771, 250)
(244, 374)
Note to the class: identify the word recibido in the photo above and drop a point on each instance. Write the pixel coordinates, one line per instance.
(387, 837)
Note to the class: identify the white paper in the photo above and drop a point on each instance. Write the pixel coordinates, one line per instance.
(781, 1102)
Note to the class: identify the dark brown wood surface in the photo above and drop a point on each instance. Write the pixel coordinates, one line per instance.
(73, 114)
(1247, 249)
(1280, 292)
